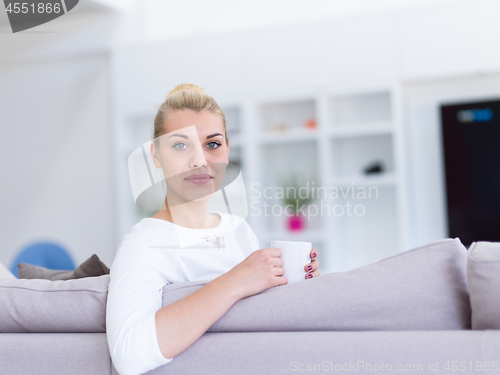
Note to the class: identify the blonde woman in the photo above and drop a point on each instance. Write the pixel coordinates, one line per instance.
(191, 147)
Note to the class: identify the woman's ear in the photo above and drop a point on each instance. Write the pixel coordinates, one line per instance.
(155, 156)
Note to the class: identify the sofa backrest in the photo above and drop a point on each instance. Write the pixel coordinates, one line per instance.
(424, 288)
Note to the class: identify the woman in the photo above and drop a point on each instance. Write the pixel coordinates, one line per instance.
(191, 147)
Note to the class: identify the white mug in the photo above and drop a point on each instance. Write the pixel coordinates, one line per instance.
(295, 256)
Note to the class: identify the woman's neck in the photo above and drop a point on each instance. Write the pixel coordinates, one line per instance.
(190, 215)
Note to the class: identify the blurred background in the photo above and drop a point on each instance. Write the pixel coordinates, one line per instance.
(346, 94)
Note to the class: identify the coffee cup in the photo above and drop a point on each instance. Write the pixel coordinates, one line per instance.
(296, 255)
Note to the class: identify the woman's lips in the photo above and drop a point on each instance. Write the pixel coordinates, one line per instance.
(199, 179)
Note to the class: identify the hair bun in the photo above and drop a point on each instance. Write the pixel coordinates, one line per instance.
(185, 87)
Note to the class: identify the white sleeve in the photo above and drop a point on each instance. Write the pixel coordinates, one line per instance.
(134, 296)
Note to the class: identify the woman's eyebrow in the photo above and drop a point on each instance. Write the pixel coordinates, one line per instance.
(178, 135)
(214, 135)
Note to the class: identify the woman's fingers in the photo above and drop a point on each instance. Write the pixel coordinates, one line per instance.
(311, 266)
(310, 275)
(277, 262)
(314, 253)
(279, 271)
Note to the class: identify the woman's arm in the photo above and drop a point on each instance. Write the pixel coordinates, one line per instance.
(143, 335)
(182, 323)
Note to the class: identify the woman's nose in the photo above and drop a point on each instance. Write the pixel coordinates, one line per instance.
(198, 159)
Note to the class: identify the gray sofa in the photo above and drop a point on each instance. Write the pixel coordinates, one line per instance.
(433, 309)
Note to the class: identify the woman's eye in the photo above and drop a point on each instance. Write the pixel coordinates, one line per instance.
(217, 145)
(179, 144)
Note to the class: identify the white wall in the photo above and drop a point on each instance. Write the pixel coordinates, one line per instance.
(167, 19)
(245, 62)
(448, 40)
(56, 157)
(56, 145)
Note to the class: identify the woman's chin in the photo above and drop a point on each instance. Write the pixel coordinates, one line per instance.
(197, 196)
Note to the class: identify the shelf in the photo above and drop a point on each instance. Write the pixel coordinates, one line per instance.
(351, 155)
(286, 118)
(360, 108)
(381, 179)
(362, 130)
(288, 136)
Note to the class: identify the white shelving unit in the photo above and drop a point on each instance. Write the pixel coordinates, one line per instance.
(270, 141)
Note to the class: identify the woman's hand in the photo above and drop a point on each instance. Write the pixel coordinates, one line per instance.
(261, 270)
(312, 268)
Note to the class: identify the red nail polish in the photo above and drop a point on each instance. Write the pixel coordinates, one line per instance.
(309, 268)
(314, 255)
(309, 276)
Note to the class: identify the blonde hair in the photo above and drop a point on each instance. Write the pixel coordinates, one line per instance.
(185, 96)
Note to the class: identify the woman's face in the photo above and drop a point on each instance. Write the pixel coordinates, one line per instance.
(193, 154)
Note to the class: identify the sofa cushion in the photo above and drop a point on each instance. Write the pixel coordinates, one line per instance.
(91, 267)
(54, 354)
(483, 275)
(5, 273)
(37, 305)
(339, 353)
(424, 288)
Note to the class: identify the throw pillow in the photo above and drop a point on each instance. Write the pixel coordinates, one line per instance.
(90, 268)
(38, 305)
(483, 275)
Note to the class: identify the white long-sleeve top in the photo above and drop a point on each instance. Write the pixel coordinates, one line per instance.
(151, 256)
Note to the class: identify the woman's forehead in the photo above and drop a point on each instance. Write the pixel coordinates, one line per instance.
(203, 122)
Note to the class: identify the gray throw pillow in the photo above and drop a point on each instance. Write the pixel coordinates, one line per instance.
(38, 305)
(90, 268)
(483, 274)
(424, 288)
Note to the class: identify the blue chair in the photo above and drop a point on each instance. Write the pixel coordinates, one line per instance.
(44, 254)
